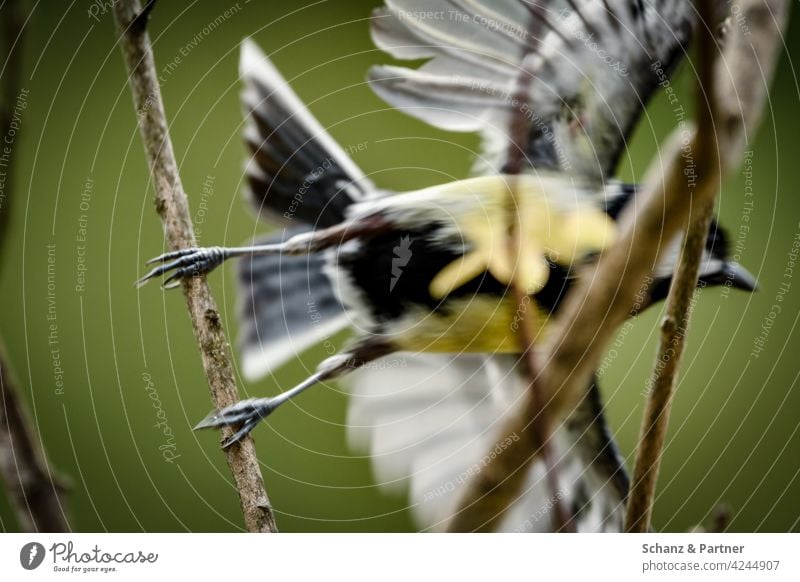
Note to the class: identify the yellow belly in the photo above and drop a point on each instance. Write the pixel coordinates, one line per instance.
(479, 324)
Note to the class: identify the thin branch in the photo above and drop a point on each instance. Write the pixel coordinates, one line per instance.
(604, 297)
(675, 326)
(13, 37)
(539, 424)
(36, 493)
(537, 429)
(604, 294)
(173, 208)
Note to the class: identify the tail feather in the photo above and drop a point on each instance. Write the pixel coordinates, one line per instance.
(297, 171)
(297, 176)
(287, 305)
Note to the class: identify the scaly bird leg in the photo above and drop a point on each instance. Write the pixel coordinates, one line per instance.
(194, 261)
(248, 413)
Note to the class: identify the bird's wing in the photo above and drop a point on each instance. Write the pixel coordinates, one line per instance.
(296, 170)
(286, 305)
(434, 423)
(592, 68)
(297, 175)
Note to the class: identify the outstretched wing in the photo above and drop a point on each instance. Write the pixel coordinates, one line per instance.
(297, 175)
(432, 426)
(592, 68)
(296, 172)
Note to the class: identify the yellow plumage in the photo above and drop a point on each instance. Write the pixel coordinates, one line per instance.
(556, 221)
(482, 324)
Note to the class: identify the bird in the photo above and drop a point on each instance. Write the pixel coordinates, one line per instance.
(423, 278)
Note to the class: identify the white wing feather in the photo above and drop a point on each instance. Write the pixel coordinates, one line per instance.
(591, 69)
(431, 426)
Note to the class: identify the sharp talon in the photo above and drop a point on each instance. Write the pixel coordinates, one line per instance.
(158, 259)
(248, 413)
(185, 263)
(239, 435)
(163, 258)
(208, 422)
(173, 280)
(163, 268)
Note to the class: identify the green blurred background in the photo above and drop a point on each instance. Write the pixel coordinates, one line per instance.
(734, 431)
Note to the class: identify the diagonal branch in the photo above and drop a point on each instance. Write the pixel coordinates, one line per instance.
(679, 302)
(13, 37)
(35, 491)
(539, 422)
(173, 208)
(471, 516)
(675, 325)
(605, 293)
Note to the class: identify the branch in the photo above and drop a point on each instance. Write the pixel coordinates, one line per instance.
(13, 31)
(679, 302)
(741, 65)
(173, 208)
(35, 492)
(605, 293)
(472, 514)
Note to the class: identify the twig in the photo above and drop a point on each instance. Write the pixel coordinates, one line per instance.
(35, 491)
(539, 425)
(173, 208)
(679, 302)
(13, 36)
(674, 328)
(472, 516)
(604, 295)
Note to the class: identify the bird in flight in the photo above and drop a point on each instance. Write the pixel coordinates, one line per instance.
(424, 278)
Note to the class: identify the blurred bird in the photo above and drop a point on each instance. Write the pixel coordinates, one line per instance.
(425, 275)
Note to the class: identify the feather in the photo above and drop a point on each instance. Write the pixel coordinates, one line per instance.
(431, 428)
(451, 103)
(286, 305)
(296, 169)
(591, 66)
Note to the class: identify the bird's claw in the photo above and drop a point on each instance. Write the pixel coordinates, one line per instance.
(247, 413)
(184, 263)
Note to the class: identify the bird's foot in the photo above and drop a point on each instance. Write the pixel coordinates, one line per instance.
(247, 413)
(184, 263)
